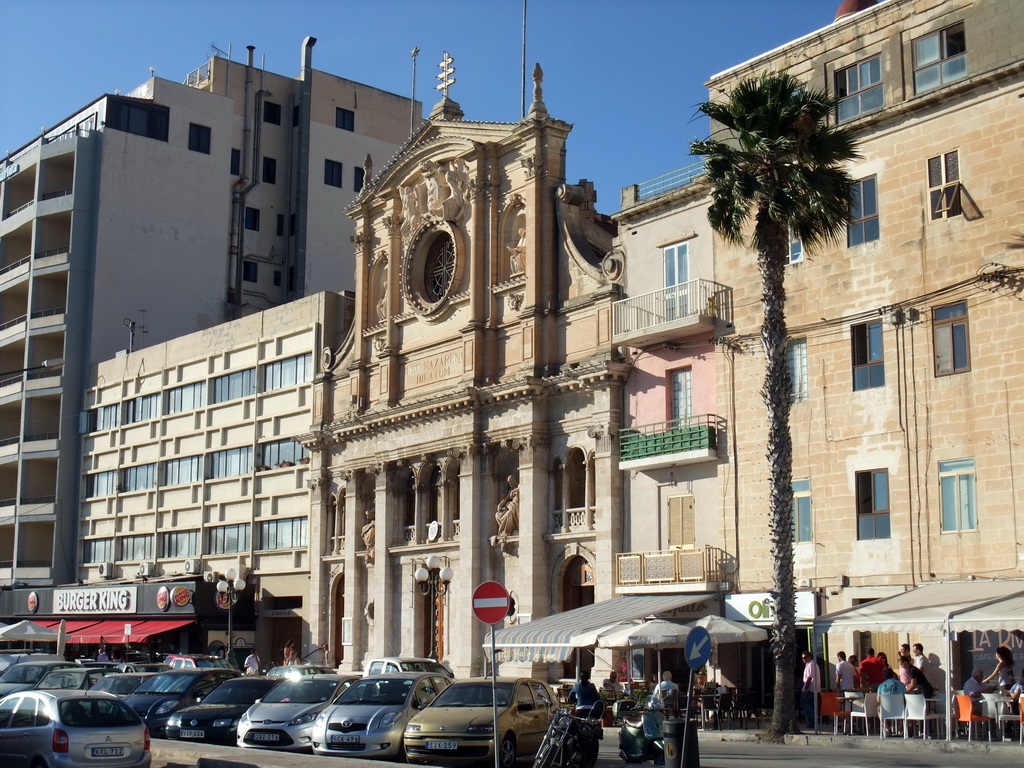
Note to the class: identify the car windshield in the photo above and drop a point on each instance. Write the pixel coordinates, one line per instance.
(58, 679)
(425, 666)
(118, 684)
(24, 673)
(302, 692)
(379, 691)
(472, 695)
(96, 713)
(210, 663)
(239, 692)
(149, 667)
(166, 684)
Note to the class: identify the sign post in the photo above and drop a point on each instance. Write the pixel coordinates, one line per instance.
(697, 652)
(490, 605)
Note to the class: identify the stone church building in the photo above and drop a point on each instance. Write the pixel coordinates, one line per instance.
(466, 418)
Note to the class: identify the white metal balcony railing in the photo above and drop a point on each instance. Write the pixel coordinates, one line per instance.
(694, 299)
(672, 180)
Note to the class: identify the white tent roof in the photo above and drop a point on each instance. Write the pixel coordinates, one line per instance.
(27, 630)
(923, 609)
(1006, 614)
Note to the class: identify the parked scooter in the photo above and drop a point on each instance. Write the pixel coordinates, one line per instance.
(571, 741)
(641, 737)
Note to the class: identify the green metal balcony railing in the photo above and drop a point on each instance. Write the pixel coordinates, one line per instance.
(697, 433)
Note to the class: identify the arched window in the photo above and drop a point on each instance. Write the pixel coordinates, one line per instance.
(439, 268)
(576, 478)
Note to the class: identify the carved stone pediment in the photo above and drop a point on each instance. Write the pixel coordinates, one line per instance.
(441, 191)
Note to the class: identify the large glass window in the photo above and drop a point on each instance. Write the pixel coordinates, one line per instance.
(863, 227)
(940, 58)
(802, 529)
(283, 534)
(199, 138)
(796, 359)
(138, 478)
(227, 539)
(234, 385)
(104, 417)
(232, 462)
(97, 550)
(187, 397)
(859, 89)
(179, 544)
(135, 547)
(287, 373)
(101, 484)
(140, 118)
(681, 392)
(272, 454)
(677, 275)
(956, 484)
(952, 351)
(142, 408)
(868, 358)
(873, 504)
(188, 469)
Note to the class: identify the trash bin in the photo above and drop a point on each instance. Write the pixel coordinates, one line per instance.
(680, 753)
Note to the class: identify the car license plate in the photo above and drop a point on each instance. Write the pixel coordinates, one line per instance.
(343, 738)
(442, 745)
(185, 733)
(108, 751)
(265, 736)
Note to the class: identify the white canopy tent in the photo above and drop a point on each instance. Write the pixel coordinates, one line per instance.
(27, 631)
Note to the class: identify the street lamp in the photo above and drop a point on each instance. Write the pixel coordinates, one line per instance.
(433, 580)
(229, 585)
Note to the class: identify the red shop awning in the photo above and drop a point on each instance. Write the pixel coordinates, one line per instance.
(143, 630)
(139, 630)
(109, 631)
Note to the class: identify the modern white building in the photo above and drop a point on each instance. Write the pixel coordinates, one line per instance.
(147, 216)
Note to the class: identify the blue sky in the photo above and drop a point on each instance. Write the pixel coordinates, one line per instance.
(627, 74)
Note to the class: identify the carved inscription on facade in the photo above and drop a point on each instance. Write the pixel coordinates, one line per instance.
(437, 368)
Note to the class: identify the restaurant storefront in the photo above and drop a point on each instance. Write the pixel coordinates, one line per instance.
(146, 620)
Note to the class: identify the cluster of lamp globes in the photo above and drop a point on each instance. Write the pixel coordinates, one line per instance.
(231, 581)
(433, 566)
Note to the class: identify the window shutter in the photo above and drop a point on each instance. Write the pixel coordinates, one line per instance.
(681, 522)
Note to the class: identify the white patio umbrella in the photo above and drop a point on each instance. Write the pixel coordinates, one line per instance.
(653, 633)
(28, 631)
(62, 637)
(588, 638)
(728, 631)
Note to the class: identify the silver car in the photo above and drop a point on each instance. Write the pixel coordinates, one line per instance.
(283, 719)
(73, 729)
(369, 719)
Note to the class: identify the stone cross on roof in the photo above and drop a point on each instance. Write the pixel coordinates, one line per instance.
(447, 76)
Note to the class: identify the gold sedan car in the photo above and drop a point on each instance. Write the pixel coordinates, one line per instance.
(458, 726)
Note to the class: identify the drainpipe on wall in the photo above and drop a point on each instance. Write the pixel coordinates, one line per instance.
(295, 262)
(246, 181)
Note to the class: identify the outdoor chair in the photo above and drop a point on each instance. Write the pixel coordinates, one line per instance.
(748, 706)
(891, 708)
(866, 709)
(917, 710)
(965, 714)
(830, 708)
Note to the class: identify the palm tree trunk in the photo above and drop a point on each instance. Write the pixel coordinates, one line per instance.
(771, 262)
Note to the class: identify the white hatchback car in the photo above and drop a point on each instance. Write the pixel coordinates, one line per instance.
(77, 729)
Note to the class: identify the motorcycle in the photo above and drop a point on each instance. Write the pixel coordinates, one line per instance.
(641, 737)
(571, 741)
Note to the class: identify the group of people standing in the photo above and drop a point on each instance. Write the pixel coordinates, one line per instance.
(873, 672)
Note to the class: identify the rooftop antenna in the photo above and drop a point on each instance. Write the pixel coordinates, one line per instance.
(130, 325)
(522, 97)
(412, 107)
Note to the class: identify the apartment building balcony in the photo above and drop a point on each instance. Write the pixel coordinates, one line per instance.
(671, 314)
(29, 571)
(681, 570)
(669, 443)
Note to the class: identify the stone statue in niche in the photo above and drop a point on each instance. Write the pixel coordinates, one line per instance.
(517, 254)
(369, 534)
(507, 516)
(382, 303)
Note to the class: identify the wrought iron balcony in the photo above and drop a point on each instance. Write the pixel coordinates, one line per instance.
(669, 443)
(672, 313)
(701, 568)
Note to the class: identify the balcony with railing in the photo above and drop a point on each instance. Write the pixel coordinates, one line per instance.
(673, 313)
(668, 182)
(694, 570)
(672, 443)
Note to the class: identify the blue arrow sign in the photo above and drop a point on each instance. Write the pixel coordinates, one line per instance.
(698, 647)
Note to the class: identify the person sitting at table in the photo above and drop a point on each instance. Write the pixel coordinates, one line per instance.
(974, 687)
(1003, 673)
(611, 684)
(917, 682)
(891, 684)
(584, 695)
(872, 670)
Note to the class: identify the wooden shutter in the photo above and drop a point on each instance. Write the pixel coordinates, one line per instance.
(681, 522)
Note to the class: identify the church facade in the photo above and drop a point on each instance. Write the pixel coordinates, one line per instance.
(466, 421)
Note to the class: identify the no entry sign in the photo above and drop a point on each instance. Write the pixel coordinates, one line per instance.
(490, 602)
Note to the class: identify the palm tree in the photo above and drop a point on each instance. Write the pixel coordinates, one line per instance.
(773, 155)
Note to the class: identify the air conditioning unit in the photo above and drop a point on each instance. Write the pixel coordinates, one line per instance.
(106, 570)
(803, 583)
(146, 568)
(209, 577)
(194, 565)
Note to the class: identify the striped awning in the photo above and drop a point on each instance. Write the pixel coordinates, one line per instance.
(553, 638)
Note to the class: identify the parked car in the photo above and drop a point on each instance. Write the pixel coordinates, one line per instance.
(143, 666)
(25, 675)
(300, 670)
(215, 718)
(388, 664)
(121, 684)
(369, 719)
(164, 694)
(458, 726)
(18, 656)
(191, 661)
(284, 718)
(71, 728)
(65, 679)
